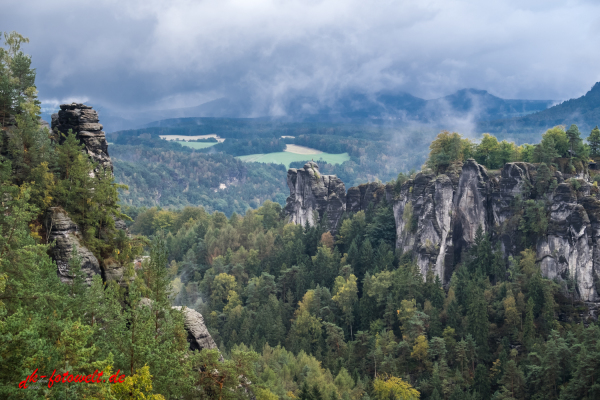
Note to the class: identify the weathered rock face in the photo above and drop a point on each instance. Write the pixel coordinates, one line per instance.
(64, 232)
(437, 218)
(423, 213)
(84, 123)
(312, 193)
(359, 197)
(571, 242)
(198, 336)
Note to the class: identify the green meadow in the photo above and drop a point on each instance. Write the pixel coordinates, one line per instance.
(287, 158)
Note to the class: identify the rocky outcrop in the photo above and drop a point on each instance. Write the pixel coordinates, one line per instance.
(423, 213)
(359, 197)
(313, 195)
(83, 121)
(64, 236)
(568, 249)
(198, 336)
(437, 216)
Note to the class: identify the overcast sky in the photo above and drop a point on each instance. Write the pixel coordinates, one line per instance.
(147, 54)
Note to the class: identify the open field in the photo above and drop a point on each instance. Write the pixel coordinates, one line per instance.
(286, 158)
(196, 145)
(186, 138)
(293, 148)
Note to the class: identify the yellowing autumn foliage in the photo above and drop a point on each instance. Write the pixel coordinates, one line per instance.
(394, 388)
(137, 386)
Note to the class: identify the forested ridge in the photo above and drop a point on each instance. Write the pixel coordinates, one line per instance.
(377, 152)
(296, 312)
(219, 182)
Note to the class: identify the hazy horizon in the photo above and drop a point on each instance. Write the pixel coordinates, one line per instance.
(156, 55)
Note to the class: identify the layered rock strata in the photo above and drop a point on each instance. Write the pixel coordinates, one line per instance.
(83, 121)
(65, 237)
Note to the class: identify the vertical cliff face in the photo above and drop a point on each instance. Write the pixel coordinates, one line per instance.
(65, 235)
(423, 214)
(312, 195)
(437, 216)
(568, 248)
(471, 205)
(84, 123)
(359, 197)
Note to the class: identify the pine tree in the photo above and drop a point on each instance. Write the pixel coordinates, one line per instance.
(478, 318)
(365, 259)
(574, 137)
(482, 381)
(546, 151)
(528, 326)
(594, 142)
(513, 381)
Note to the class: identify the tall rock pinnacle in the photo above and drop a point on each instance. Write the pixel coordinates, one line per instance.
(84, 123)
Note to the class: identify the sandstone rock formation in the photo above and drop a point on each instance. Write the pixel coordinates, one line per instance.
(437, 216)
(313, 194)
(359, 197)
(84, 123)
(64, 233)
(198, 335)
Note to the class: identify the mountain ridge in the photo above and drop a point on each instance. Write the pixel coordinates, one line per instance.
(387, 106)
(583, 111)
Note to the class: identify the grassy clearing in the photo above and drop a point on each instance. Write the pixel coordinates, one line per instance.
(292, 148)
(184, 137)
(196, 145)
(286, 158)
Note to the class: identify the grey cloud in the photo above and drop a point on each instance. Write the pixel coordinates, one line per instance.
(143, 55)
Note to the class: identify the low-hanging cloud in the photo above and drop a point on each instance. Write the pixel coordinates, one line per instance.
(150, 54)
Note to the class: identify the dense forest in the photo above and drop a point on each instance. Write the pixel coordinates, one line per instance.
(161, 177)
(297, 312)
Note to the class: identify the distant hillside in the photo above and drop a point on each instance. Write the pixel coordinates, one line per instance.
(404, 108)
(453, 112)
(583, 111)
(398, 108)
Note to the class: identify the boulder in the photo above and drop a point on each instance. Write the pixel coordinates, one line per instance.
(198, 335)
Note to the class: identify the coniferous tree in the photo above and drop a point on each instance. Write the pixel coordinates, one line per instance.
(478, 317)
(594, 142)
(574, 137)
